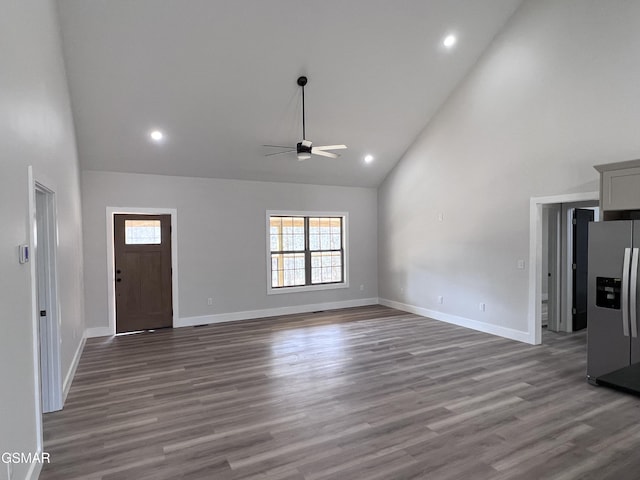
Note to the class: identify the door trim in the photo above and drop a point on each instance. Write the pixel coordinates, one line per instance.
(111, 292)
(534, 315)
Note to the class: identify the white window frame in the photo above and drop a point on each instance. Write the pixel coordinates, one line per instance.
(307, 288)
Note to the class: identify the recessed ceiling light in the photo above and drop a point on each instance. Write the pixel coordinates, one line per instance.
(449, 41)
(368, 159)
(156, 135)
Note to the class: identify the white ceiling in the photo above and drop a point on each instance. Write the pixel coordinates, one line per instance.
(219, 78)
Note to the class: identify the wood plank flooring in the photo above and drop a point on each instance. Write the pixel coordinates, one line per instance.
(366, 393)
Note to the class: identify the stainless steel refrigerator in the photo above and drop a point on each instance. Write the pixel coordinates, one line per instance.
(613, 346)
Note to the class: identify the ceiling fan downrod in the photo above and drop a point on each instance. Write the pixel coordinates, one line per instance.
(302, 81)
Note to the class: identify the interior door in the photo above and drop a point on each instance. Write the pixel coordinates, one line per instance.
(142, 253)
(554, 256)
(42, 264)
(581, 219)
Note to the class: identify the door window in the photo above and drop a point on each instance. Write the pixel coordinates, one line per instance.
(142, 232)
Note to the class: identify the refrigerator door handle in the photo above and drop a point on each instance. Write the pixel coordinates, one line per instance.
(633, 292)
(625, 292)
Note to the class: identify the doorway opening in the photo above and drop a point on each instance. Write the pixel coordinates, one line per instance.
(564, 264)
(558, 256)
(48, 334)
(142, 269)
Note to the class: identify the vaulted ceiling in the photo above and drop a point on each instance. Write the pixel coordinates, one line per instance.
(218, 78)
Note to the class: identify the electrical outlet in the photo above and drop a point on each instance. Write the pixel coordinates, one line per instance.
(209, 301)
(520, 264)
(441, 217)
(440, 299)
(482, 307)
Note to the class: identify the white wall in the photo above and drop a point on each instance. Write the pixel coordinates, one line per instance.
(555, 94)
(35, 129)
(221, 238)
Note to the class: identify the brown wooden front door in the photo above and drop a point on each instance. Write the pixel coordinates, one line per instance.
(142, 255)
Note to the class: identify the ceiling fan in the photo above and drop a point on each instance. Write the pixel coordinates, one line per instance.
(305, 148)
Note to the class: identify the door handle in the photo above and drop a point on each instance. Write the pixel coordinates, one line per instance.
(633, 292)
(625, 292)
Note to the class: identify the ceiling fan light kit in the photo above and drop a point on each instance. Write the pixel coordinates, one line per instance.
(305, 148)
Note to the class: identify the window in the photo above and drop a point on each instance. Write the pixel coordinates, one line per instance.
(306, 251)
(142, 232)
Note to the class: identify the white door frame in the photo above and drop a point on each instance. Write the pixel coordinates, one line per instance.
(535, 256)
(111, 292)
(48, 344)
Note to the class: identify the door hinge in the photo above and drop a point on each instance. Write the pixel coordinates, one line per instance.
(43, 313)
(574, 311)
(574, 221)
(574, 266)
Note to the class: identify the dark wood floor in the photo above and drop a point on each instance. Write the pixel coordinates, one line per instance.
(367, 393)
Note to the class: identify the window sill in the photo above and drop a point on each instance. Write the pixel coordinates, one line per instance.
(306, 288)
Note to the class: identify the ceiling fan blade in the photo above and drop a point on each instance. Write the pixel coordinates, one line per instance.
(279, 146)
(279, 153)
(331, 147)
(324, 154)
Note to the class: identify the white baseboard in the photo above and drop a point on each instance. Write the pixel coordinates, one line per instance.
(505, 332)
(271, 312)
(68, 379)
(98, 332)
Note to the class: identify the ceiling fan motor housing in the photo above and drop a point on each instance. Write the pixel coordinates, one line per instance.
(303, 149)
